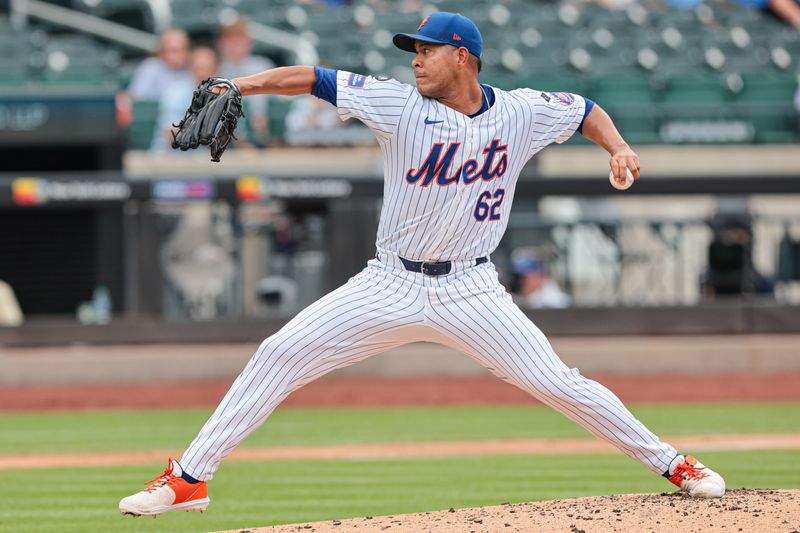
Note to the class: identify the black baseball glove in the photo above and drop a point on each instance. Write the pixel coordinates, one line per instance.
(211, 118)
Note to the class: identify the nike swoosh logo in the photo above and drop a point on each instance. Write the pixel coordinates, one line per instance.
(429, 122)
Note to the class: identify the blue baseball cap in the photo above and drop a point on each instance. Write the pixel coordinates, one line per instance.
(526, 264)
(444, 28)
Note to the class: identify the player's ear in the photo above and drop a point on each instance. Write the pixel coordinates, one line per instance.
(463, 56)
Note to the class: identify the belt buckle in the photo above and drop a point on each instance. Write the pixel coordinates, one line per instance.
(435, 268)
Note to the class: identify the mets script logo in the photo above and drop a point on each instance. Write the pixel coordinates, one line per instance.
(437, 166)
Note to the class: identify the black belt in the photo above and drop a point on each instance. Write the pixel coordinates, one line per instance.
(435, 269)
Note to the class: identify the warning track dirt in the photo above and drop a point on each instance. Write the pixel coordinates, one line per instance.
(765, 441)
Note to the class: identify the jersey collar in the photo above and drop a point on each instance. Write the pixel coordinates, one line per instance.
(487, 100)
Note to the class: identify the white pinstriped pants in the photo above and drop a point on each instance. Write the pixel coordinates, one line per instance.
(385, 306)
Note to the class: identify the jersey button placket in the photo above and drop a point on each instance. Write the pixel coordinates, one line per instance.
(468, 142)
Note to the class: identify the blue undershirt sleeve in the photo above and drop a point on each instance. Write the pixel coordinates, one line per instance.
(325, 86)
(586, 111)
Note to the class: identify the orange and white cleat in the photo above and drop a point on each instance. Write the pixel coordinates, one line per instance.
(168, 492)
(694, 477)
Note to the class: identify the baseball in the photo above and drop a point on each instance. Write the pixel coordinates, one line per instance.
(621, 186)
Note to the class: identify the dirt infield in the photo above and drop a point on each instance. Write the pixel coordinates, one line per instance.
(749, 511)
(765, 441)
(373, 391)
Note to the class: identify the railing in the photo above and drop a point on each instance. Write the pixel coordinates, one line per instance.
(642, 262)
(300, 48)
(660, 262)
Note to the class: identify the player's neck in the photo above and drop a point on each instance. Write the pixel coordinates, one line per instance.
(466, 98)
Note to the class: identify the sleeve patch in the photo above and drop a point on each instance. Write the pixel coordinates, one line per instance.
(356, 81)
(565, 99)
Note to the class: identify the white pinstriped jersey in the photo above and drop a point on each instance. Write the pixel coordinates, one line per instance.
(448, 188)
(449, 179)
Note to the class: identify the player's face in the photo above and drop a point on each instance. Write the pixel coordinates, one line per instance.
(434, 66)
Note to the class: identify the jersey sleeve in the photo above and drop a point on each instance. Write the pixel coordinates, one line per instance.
(556, 116)
(378, 103)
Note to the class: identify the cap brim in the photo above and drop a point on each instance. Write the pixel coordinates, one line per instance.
(405, 41)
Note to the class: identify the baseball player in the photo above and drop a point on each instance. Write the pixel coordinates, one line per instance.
(453, 150)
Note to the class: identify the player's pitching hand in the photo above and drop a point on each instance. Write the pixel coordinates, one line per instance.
(624, 158)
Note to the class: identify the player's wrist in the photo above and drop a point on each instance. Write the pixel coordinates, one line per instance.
(240, 86)
(618, 147)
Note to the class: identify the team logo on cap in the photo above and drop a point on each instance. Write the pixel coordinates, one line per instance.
(456, 37)
(424, 21)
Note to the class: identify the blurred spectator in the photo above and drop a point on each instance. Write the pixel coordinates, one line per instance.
(10, 313)
(286, 238)
(533, 285)
(314, 122)
(730, 259)
(310, 120)
(155, 74)
(176, 98)
(235, 48)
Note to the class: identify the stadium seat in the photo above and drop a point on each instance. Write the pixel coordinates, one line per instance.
(140, 133)
(77, 59)
(254, 10)
(675, 85)
(695, 88)
(774, 122)
(500, 78)
(614, 21)
(698, 122)
(767, 87)
(612, 62)
(77, 73)
(131, 13)
(631, 87)
(685, 21)
(555, 81)
(15, 72)
(12, 46)
(398, 22)
(196, 17)
(752, 59)
(638, 122)
(278, 109)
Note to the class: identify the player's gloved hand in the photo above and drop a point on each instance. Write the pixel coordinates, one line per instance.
(624, 158)
(211, 118)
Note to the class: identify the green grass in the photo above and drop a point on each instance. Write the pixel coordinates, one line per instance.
(261, 493)
(88, 431)
(250, 494)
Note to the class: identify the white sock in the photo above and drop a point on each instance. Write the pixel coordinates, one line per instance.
(675, 462)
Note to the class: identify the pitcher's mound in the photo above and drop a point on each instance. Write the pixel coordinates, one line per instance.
(739, 510)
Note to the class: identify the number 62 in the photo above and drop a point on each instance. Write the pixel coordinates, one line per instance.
(484, 210)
